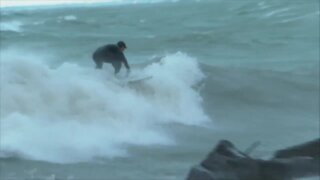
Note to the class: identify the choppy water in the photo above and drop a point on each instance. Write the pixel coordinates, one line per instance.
(222, 69)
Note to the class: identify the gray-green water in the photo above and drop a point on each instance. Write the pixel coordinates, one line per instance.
(239, 70)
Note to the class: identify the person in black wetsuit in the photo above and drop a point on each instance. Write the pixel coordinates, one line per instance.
(111, 53)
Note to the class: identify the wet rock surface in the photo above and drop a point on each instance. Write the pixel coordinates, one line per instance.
(226, 162)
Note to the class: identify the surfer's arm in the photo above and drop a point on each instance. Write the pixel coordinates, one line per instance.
(124, 60)
(126, 64)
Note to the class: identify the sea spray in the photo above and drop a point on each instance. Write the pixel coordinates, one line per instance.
(73, 114)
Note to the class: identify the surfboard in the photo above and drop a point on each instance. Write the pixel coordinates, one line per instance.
(138, 79)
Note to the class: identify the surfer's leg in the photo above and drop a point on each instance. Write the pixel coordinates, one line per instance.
(117, 66)
(98, 63)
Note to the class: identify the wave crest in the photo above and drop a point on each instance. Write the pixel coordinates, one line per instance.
(72, 113)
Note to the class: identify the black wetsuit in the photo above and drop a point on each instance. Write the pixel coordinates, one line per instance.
(110, 53)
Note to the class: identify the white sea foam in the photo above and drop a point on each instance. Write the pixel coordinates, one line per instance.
(70, 18)
(72, 113)
(67, 18)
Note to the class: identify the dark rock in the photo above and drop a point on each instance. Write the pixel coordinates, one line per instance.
(226, 162)
(308, 149)
(200, 173)
(281, 169)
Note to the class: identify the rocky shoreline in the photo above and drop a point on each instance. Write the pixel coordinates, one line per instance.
(226, 162)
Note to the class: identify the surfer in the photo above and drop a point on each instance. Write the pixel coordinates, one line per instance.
(111, 53)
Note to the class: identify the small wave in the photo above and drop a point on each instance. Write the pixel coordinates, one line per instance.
(278, 11)
(14, 26)
(258, 87)
(300, 17)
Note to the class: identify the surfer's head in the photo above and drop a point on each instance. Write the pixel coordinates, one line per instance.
(122, 45)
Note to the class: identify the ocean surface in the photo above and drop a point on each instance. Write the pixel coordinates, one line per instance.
(245, 71)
